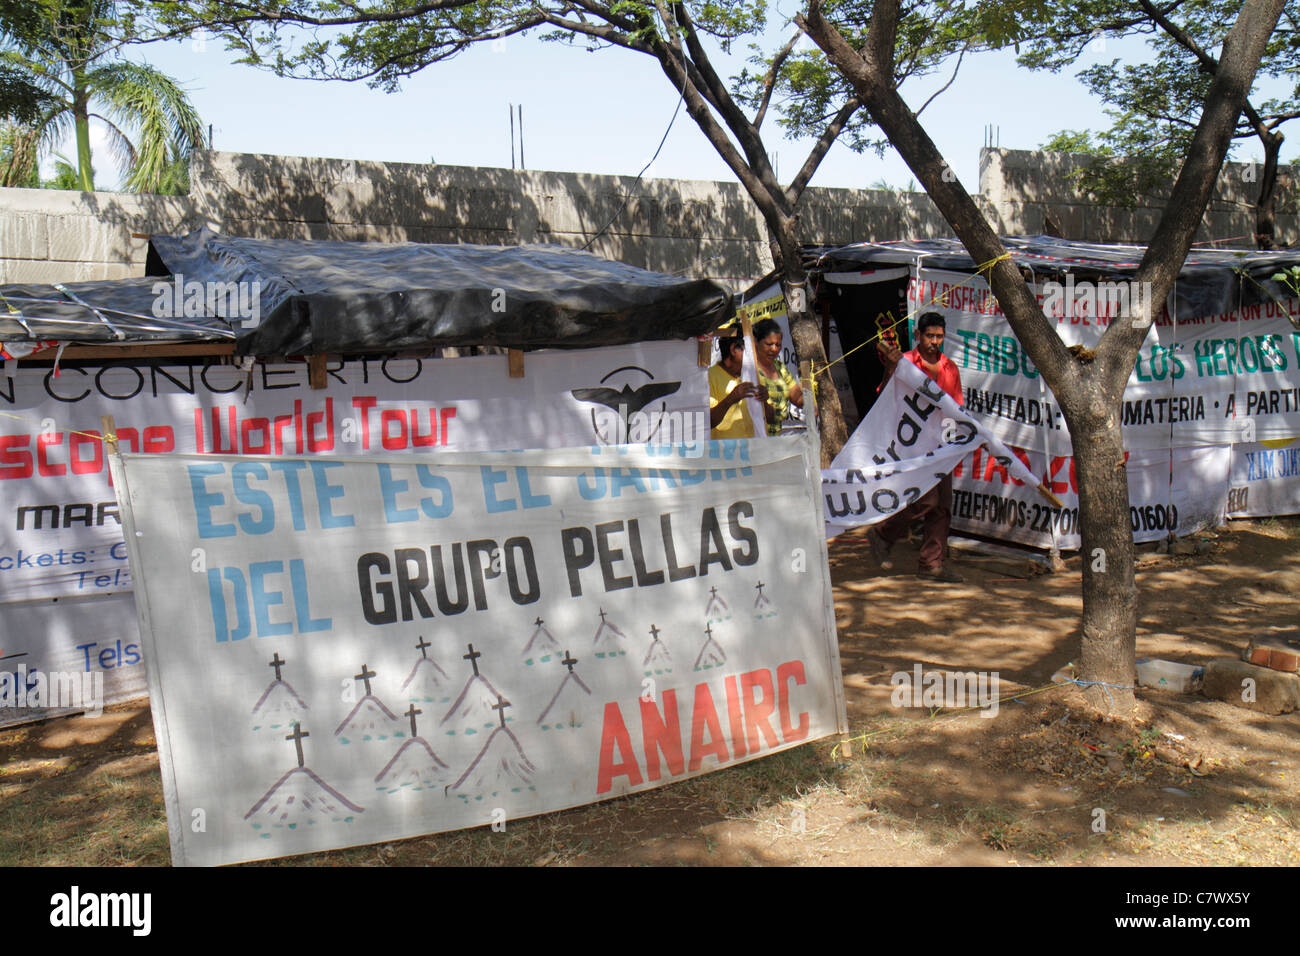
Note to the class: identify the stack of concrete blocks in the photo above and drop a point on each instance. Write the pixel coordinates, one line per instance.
(1266, 679)
(58, 235)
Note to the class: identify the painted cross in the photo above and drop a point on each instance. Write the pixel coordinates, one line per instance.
(365, 675)
(654, 632)
(500, 707)
(539, 622)
(708, 629)
(277, 664)
(296, 737)
(569, 661)
(759, 588)
(422, 645)
(472, 657)
(713, 592)
(411, 712)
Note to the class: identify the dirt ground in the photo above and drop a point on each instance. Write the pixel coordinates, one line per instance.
(1183, 781)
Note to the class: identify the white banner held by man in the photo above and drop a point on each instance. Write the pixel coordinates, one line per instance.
(914, 435)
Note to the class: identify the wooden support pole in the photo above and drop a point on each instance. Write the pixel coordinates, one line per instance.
(316, 370)
(108, 428)
(703, 351)
(1047, 493)
(515, 358)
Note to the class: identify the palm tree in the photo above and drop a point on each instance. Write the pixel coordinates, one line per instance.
(58, 71)
(18, 156)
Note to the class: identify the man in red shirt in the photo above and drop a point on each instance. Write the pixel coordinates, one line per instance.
(935, 506)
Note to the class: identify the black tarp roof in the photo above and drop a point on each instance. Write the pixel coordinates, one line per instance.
(1211, 282)
(357, 297)
(120, 310)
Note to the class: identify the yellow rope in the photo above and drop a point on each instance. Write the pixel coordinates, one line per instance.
(992, 262)
(70, 431)
(975, 275)
(936, 714)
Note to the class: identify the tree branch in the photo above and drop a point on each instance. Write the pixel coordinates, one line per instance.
(881, 37)
(607, 33)
(1208, 63)
(941, 89)
(258, 14)
(769, 81)
(744, 132)
(674, 68)
(873, 83)
(1234, 74)
(800, 182)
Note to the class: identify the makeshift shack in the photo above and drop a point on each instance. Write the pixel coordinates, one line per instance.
(303, 348)
(1211, 414)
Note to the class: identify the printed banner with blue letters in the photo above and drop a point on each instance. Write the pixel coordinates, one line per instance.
(1265, 478)
(62, 558)
(59, 529)
(345, 651)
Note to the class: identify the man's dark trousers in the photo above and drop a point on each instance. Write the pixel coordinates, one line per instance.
(935, 508)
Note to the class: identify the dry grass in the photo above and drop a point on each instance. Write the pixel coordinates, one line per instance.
(1022, 788)
(803, 806)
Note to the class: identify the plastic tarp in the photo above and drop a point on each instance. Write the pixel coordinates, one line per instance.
(112, 311)
(1211, 281)
(359, 297)
(355, 297)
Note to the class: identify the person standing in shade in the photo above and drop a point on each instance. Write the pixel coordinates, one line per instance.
(728, 411)
(783, 389)
(935, 506)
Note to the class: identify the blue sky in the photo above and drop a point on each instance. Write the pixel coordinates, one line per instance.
(601, 112)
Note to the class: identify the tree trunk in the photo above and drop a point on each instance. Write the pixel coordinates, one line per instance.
(807, 335)
(1109, 625)
(1265, 205)
(1089, 387)
(81, 118)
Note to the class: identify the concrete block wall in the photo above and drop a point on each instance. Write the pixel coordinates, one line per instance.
(1024, 188)
(683, 227)
(56, 235)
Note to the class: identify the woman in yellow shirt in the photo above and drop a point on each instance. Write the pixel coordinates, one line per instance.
(728, 411)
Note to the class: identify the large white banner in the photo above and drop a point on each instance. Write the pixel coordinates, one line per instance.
(67, 656)
(914, 435)
(59, 529)
(1207, 380)
(1265, 478)
(1179, 496)
(1198, 386)
(60, 532)
(347, 651)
